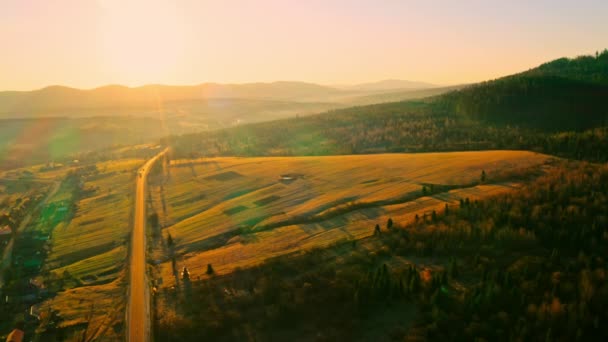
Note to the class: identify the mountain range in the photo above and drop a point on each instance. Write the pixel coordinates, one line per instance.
(117, 99)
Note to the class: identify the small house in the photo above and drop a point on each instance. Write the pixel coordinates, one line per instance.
(15, 336)
(5, 234)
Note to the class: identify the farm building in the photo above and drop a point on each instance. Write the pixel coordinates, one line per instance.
(15, 336)
(5, 234)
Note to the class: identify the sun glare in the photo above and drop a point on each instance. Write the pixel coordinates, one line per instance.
(141, 43)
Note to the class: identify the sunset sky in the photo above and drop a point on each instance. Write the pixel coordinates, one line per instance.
(89, 43)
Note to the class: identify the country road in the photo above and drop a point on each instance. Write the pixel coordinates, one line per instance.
(138, 308)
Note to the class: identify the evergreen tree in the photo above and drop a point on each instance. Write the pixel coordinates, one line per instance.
(210, 270)
(185, 274)
(415, 283)
(453, 269)
(389, 223)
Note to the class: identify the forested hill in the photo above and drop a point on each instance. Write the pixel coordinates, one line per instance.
(559, 108)
(583, 68)
(565, 94)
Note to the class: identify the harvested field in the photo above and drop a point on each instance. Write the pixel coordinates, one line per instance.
(257, 215)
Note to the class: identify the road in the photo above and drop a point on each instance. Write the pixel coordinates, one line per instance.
(138, 308)
(7, 255)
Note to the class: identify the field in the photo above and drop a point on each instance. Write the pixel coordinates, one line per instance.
(238, 212)
(85, 263)
(91, 245)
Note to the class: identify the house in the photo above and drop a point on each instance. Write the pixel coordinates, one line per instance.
(290, 177)
(15, 336)
(5, 234)
(35, 311)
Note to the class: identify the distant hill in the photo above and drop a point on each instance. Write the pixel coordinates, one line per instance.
(267, 99)
(401, 95)
(46, 124)
(389, 85)
(57, 99)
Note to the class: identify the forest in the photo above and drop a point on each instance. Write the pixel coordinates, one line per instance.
(527, 265)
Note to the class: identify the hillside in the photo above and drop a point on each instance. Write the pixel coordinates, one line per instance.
(40, 141)
(565, 94)
(55, 122)
(544, 109)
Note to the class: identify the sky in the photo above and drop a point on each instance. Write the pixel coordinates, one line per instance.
(90, 43)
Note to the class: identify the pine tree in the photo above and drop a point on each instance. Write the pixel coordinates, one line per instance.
(483, 176)
(210, 270)
(453, 269)
(389, 223)
(414, 284)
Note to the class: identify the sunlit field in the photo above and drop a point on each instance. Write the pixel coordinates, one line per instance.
(237, 212)
(86, 258)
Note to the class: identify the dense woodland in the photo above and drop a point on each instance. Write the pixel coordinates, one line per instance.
(566, 94)
(529, 265)
(557, 108)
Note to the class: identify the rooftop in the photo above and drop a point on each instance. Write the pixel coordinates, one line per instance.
(6, 230)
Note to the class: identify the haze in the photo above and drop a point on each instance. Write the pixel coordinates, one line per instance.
(91, 43)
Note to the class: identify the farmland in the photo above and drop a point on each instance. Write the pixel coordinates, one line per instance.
(238, 212)
(73, 250)
(88, 250)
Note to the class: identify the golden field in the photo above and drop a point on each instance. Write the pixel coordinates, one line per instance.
(237, 212)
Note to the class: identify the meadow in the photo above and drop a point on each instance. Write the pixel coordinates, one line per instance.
(238, 212)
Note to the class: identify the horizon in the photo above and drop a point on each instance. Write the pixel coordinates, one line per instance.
(333, 85)
(137, 86)
(90, 44)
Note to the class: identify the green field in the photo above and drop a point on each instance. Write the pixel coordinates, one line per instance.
(91, 246)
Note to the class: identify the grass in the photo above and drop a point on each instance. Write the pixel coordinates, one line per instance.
(237, 212)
